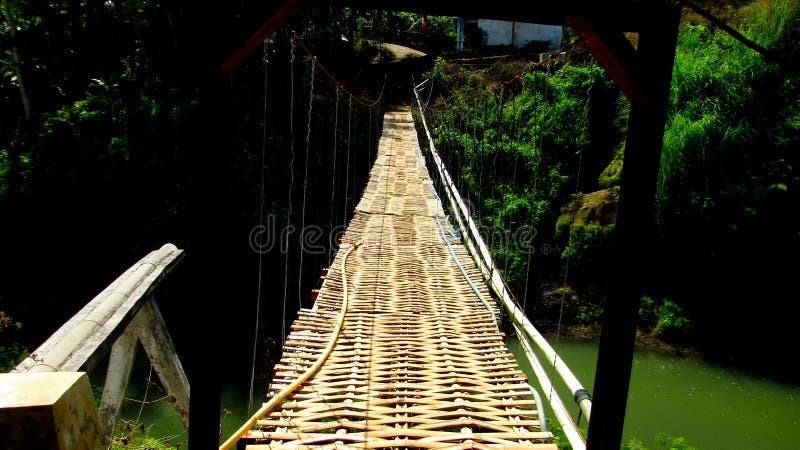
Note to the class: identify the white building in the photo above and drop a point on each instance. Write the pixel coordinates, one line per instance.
(518, 34)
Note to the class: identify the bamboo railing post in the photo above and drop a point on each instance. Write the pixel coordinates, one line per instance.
(120, 363)
(112, 324)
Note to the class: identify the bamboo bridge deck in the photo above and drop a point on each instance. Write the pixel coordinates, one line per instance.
(419, 362)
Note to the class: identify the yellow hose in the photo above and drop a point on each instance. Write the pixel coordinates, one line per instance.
(281, 396)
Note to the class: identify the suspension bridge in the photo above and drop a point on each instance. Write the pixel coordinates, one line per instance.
(403, 347)
(411, 350)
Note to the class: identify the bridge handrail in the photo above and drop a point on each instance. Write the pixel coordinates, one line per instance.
(89, 334)
(122, 315)
(483, 258)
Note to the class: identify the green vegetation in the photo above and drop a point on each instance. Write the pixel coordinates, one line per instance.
(132, 432)
(143, 442)
(11, 353)
(117, 133)
(664, 441)
(673, 442)
(520, 167)
(663, 319)
(729, 177)
(400, 28)
(559, 438)
(514, 150)
(545, 150)
(726, 100)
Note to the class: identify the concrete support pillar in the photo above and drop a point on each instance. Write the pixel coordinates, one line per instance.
(48, 411)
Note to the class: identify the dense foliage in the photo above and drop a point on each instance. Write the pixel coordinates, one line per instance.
(729, 179)
(522, 148)
(545, 151)
(437, 33)
(115, 116)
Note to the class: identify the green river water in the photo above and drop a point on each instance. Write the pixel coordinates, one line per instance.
(712, 407)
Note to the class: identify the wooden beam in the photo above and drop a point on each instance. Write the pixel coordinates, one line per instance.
(635, 228)
(615, 53)
(277, 20)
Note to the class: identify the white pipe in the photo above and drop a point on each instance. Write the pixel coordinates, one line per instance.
(559, 411)
(539, 407)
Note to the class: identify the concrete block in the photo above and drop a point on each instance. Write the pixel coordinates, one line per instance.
(48, 411)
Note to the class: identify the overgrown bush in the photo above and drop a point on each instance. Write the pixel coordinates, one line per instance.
(663, 318)
(11, 353)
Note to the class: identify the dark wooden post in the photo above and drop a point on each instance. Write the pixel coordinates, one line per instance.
(209, 214)
(635, 225)
(209, 303)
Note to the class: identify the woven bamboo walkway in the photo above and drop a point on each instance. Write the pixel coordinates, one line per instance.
(419, 362)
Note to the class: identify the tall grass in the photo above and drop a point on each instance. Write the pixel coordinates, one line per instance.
(717, 97)
(729, 181)
(765, 21)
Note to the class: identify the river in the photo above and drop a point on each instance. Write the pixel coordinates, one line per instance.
(712, 407)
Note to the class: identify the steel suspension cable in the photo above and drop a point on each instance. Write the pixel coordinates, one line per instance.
(473, 161)
(355, 160)
(338, 83)
(291, 186)
(513, 176)
(333, 172)
(369, 139)
(494, 178)
(480, 178)
(265, 62)
(305, 188)
(347, 164)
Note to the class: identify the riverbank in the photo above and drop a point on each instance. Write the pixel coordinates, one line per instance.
(644, 341)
